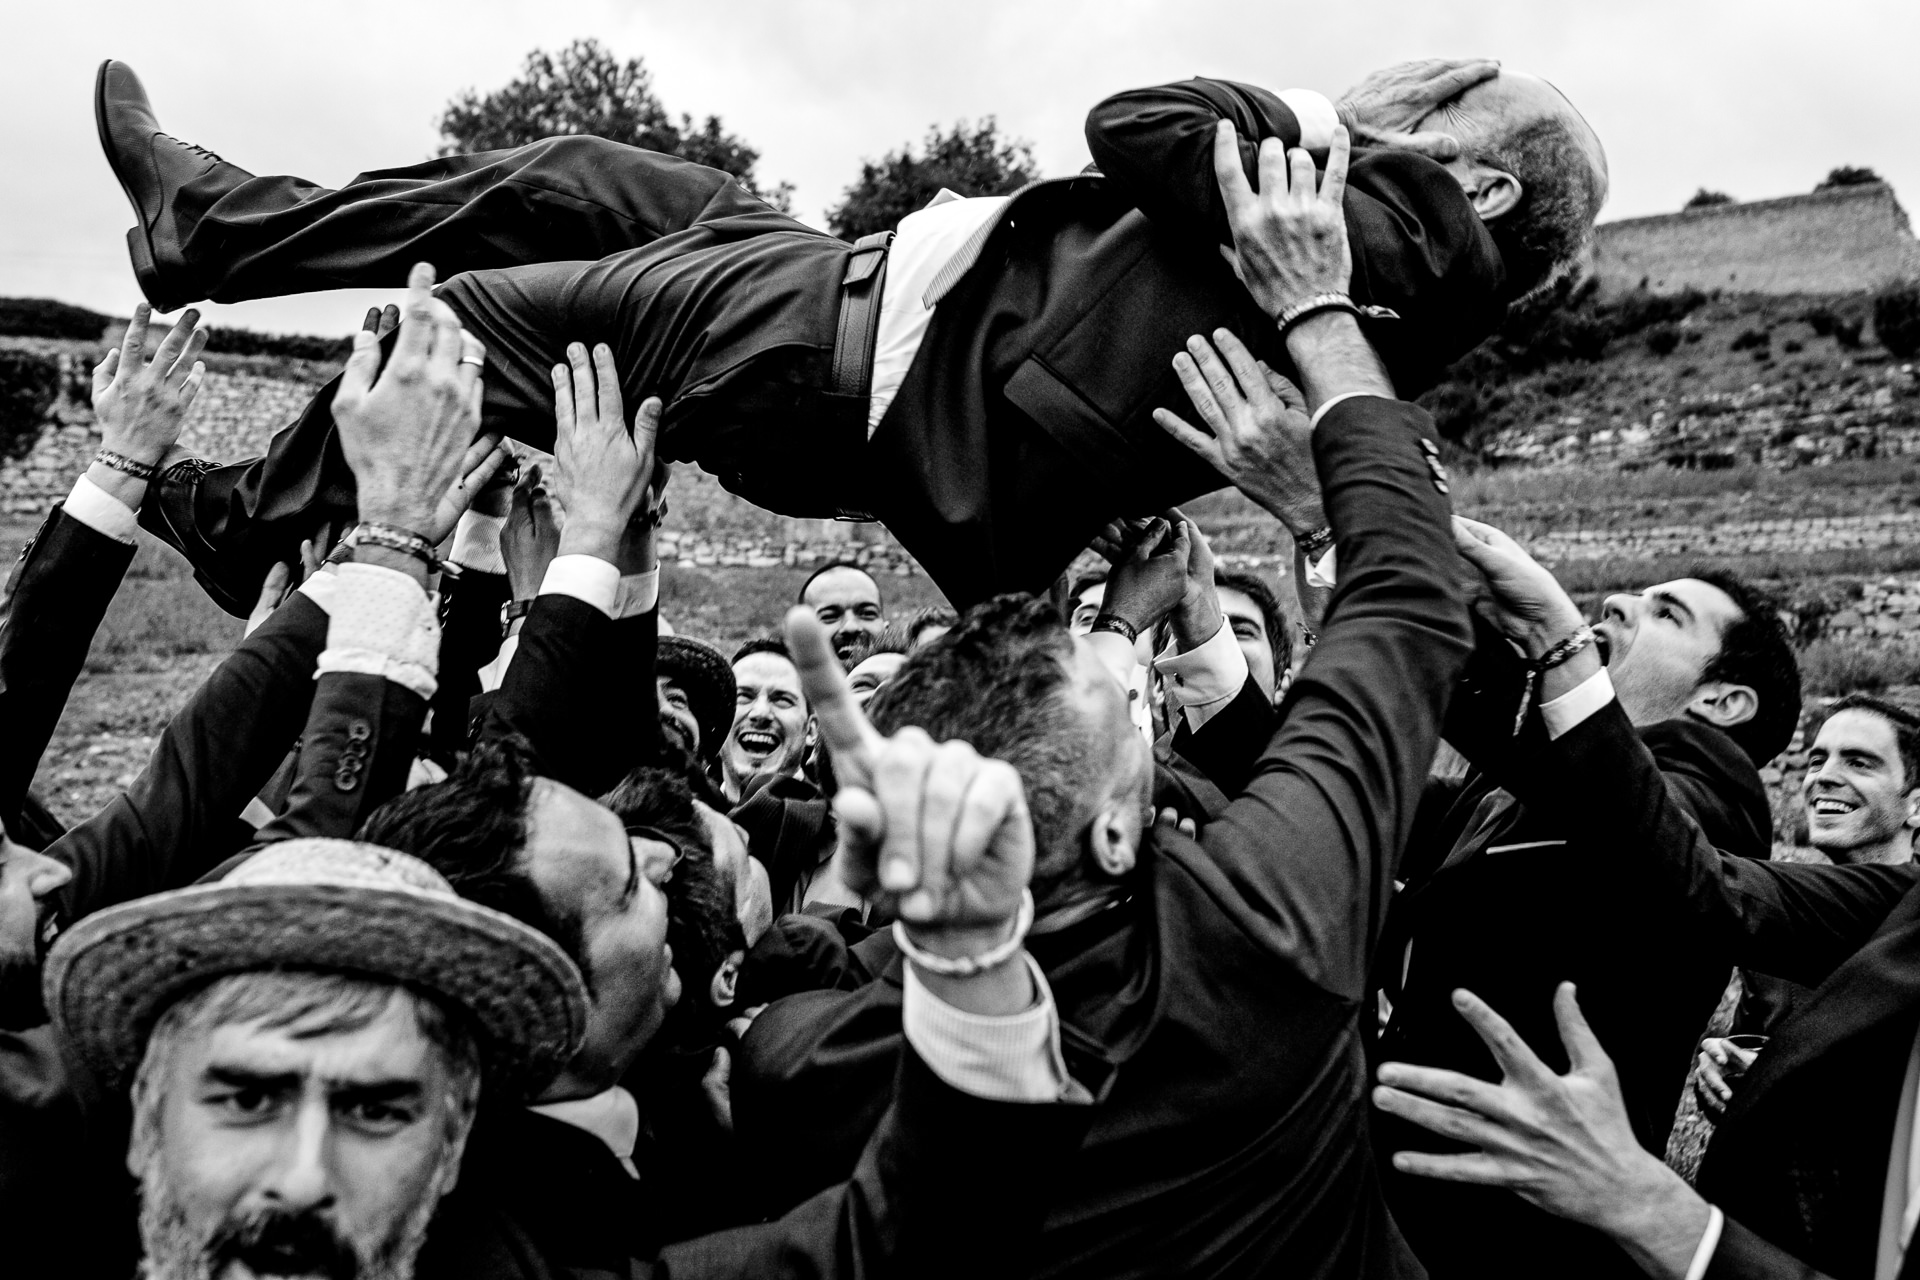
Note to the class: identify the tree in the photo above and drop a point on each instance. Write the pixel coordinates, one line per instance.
(1848, 176)
(584, 89)
(1896, 320)
(1705, 199)
(974, 161)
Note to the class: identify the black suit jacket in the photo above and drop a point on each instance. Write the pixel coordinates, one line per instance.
(949, 1185)
(1509, 894)
(1801, 1155)
(58, 594)
(1026, 420)
(1223, 999)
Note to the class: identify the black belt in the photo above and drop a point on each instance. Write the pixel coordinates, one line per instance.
(860, 290)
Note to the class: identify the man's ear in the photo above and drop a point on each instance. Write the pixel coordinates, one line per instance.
(812, 739)
(1113, 842)
(1724, 705)
(1494, 193)
(726, 980)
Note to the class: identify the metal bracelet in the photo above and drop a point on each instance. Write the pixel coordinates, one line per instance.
(375, 533)
(1330, 301)
(966, 966)
(1115, 623)
(128, 466)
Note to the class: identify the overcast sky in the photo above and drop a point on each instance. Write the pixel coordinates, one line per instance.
(1755, 97)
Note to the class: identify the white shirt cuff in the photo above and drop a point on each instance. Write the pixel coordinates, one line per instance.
(1703, 1253)
(637, 593)
(494, 674)
(1568, 710)
(476, 543)
(588, 579)
(1313, 424)
(1322, 573)
(101, 512)
(1314, 110)
(1010, 1058)
(1206, 678)
(381, 623)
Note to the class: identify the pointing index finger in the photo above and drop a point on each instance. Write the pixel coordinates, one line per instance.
(844, 727)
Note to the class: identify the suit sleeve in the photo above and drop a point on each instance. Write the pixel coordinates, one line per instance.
(469, 640)
(949, 1185)
(1226, 748)
(355, 754)
(1742, 1255)
(180, 817)
(580, 691)
(1793, 920)
(59, 593)
(1157, 145)
(1418, 246)
(1304, 856)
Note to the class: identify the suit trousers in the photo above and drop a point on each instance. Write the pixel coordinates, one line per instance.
(709, 298)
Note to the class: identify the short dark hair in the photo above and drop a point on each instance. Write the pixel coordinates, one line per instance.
(1542, 236)
(1905, 725)
(1091, 578)
(1255, 588)
(865, 644)
(997, 681)
(472, 829)
(829, 567)
(703, 925)
(934, 615)
(1756, 651)
(761, 644)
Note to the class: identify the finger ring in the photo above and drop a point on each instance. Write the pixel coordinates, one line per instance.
(475, 360)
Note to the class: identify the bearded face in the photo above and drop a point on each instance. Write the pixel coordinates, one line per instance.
(312, 1144)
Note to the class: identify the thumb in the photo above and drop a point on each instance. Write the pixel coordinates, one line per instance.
(1583, 1047)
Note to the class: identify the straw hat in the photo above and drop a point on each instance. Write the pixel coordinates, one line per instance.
(330, 905)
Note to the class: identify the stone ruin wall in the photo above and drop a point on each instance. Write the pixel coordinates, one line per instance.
(1847, 240)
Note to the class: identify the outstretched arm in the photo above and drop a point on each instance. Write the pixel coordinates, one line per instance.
(69, 572)
(1305, 854)
(1565, 1144)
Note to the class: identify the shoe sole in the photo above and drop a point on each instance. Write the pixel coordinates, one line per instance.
(139, 240)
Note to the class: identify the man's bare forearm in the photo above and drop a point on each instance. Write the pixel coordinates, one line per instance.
(1335, 359)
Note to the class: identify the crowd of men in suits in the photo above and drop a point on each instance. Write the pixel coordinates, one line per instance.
(468, 921)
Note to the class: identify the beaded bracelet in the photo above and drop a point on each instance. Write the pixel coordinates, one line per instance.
(1330, 301)
(128, 466)
(376, 533)
(1117, 624)
(1582, 637)
(966, 966)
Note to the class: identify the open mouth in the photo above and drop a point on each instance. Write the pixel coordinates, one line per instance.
(1831, 807)
(757, 742)
(1603, 647)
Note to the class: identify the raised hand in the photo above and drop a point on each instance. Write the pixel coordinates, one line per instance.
(601, 471)
(1289, 239)
(1149, 582)
(936, 829)
(141, 406)
(1562, 1142)
(1528, 604)
(531, 537)
(1261, 438)
(1384, 109)
(408, 431)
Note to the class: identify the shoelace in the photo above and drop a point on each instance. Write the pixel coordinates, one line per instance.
(194, 147)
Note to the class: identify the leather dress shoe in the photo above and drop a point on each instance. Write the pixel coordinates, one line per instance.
(152, 166)
(167, 512)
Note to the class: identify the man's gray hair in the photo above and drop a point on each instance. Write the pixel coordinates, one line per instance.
(303, 1003)
(1542, 237)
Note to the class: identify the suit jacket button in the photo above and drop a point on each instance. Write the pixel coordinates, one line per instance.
(347, 776)
(359, 731)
